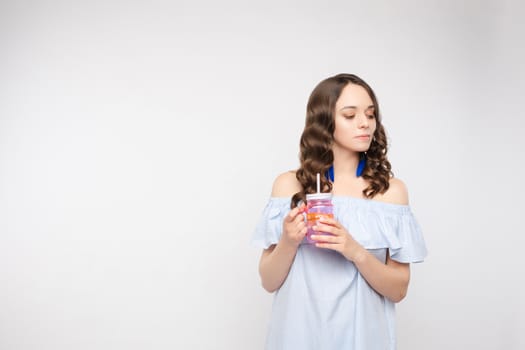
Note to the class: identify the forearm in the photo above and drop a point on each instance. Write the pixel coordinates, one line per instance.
(275, 264)
(390, 280)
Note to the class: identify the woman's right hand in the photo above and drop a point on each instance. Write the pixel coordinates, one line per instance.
(294, 226)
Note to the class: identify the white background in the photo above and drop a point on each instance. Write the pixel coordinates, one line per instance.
(139, 142)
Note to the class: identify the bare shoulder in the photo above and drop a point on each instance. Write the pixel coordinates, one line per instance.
(286, 185)
(397, 193)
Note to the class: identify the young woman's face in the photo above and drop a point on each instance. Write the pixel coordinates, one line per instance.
(355, 121)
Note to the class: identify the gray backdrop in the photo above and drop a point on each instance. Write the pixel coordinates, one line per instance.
(139, 142)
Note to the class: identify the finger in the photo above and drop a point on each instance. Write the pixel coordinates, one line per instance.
(303, 231)
(299, 219)
(325, 228)
(325, 238)
(292, 214)
(300, 225)
(326, 246)
(329, 221)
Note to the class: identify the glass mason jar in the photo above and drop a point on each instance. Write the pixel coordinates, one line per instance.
(318, 205)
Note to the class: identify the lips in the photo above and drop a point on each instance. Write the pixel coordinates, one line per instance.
(363, 137)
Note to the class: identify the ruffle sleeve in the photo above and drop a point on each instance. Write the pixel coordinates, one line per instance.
(269, 228)
(378, 225)
(412, 247)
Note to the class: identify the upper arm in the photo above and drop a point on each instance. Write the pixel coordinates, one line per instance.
(402, 270)
(267, 251)
(405, 267)
(397, 192)
(286, 185)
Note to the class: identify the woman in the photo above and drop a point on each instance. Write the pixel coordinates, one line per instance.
(340, 291)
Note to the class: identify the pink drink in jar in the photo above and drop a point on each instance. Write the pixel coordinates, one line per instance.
(318, 205)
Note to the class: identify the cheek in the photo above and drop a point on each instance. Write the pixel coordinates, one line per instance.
(373, 126)
(341, 132)
(343, 126)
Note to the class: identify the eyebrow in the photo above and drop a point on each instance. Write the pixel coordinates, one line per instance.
(345, 107)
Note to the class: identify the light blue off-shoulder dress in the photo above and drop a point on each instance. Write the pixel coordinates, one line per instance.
(325, 303)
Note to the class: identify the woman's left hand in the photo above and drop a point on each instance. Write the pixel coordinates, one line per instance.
(338, 238)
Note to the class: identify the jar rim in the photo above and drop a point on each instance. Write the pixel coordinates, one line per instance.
(314, 196)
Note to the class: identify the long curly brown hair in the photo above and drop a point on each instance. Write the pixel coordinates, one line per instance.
(316, 154)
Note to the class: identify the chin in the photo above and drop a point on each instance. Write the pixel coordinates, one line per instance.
(356, 148)
(361, 149)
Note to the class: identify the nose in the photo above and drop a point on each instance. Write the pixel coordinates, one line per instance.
(363, 121)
